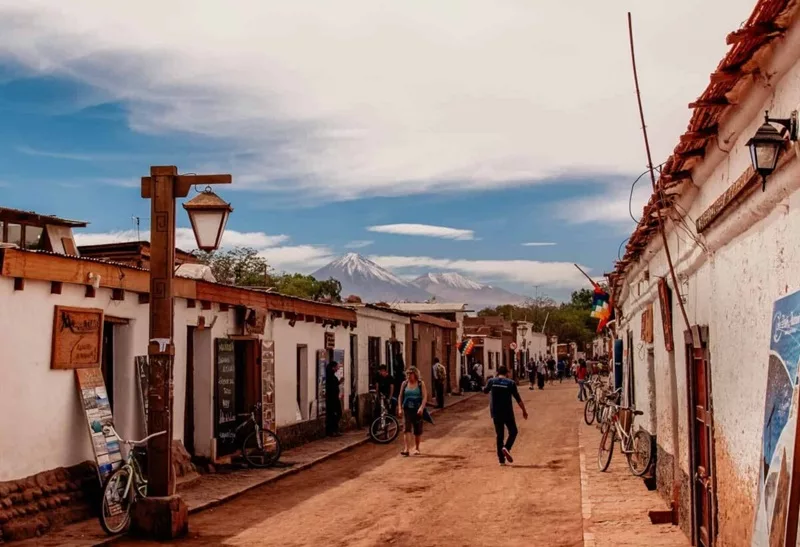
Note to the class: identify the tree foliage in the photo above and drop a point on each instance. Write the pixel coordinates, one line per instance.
(243, 267)
(569, 321)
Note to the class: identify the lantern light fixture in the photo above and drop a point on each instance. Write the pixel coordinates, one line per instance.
(208, 214)
(523, 330)
(766, 144)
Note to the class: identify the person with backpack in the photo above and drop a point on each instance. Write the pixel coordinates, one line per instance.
(439, 379)
(502, 389)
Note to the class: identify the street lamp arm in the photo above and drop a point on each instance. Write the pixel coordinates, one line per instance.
(184, 183)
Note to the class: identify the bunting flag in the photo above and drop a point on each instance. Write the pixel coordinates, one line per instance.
(466, 346)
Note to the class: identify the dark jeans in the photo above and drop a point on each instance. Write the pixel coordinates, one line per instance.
(333, 413)
(500, 424)
(440, 394)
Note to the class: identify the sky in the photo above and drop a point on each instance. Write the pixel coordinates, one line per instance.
(495, 138)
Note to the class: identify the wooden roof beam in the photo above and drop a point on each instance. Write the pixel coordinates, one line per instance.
(710, 103)
(757, 30)
(705, 133)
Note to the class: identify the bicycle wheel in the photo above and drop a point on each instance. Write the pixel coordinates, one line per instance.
(641, 457)
(115, 512)
(589, 411)
(606, 448)
(265, 455)
(384, 429)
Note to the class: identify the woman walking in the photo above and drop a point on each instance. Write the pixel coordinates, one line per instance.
(413, 396)
(333, 407)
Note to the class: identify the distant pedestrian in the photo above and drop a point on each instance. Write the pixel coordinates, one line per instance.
(502, 389)
(561, 368)
(413, 396)
(333, 406)
(531, 374)
(541, 374)
(581, 376)
(439, 379)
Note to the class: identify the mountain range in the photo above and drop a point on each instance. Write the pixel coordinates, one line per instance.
(372, 283)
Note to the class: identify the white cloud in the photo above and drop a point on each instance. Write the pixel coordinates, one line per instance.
(425, 230)
(184, 238)
(298, 258)
(613, 206)
(358, 244)
(538, 244)
(360, 97)
(551, 274)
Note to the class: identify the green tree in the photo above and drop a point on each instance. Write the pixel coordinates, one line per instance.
(241, 266)
(582, 299)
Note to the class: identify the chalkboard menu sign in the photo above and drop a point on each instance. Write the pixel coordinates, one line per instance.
(225, 408)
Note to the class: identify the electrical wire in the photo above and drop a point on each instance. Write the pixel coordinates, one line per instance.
(619, 250)
(630, 197)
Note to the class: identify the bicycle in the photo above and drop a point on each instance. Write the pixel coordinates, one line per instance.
(385, 428)
(261, 447)
(590, 408)
(124, 486)
(637, 447)
(603, 404)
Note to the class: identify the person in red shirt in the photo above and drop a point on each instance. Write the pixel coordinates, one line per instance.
(581, 376)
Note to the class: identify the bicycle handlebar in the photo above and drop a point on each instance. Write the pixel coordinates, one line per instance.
(110, 429)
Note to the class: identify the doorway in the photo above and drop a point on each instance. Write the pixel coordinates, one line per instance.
(301, 370)
(701, 423)
(373, 356)
(354, 375)
(188, 409)
(630, 389)
(248, 375)
(107, 363)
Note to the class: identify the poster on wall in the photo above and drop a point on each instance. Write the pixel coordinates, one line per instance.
(225, 399)
(268, 385)
(322, 364)
(141, 364)
(105, 444)
(338, 356)
(778, 434)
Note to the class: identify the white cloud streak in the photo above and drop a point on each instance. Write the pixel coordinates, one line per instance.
(358, 97)
(551, 274)
(425, 230)
(358, 244)
(614, 206)
(538, 244)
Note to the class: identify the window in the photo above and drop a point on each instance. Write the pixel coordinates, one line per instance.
(14, 234)
(491, 360)
(33, 237)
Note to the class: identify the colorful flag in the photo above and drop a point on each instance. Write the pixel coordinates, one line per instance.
(601, 307)
(466, 346)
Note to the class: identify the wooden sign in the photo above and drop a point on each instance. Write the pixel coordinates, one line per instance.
(255, 321)
(665, 303)
(330, 340)
(77, 338)
(225, 399)
(105, 444)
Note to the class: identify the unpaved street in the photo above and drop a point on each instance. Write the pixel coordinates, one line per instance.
(454, 494)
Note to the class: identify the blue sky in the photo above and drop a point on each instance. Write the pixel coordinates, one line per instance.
(332, 126)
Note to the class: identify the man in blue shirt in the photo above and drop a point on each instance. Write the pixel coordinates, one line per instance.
(502, 389)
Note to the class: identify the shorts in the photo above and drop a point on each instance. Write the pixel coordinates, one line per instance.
(412, 421)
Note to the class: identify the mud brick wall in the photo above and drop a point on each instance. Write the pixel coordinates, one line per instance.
(34, 505)
(309, 430)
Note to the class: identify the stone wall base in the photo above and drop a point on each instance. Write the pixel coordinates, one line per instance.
(309, 430)
(665, 475)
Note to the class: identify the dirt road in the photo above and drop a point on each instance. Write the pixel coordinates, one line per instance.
(454, 494)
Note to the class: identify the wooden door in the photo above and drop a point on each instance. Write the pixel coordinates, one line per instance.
(702, 440)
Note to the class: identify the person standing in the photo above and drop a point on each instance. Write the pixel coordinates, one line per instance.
(581, 375)
(413, 396)
(502, 389)
(561, 368)
(531, 374)
(333, 406)
(439, 378)
(541, 373)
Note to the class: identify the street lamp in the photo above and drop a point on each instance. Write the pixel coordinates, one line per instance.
(208, 214)
(163, 515)
(523, 330)
(766, 144)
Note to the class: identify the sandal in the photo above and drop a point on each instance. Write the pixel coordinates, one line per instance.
(404, 453)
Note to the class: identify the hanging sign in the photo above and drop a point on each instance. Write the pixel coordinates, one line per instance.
(322, 364)
(77, 338)
(330, 340)
(105, 444)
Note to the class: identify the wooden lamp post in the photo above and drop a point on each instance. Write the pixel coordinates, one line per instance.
(163, 515)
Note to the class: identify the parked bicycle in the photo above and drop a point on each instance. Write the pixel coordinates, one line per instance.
(595, 391)
(260, 447)
(385, 428)
(637, 447)
(124, 486)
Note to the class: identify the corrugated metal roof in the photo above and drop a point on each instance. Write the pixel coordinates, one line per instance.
(434, 307)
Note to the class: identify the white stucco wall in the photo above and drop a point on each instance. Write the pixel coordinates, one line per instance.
(378, 324)
(752, 259)
(495, 346)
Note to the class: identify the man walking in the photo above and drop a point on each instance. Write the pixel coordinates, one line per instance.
(581, 375)
(531, 374)
(502, 389)
(439, 378)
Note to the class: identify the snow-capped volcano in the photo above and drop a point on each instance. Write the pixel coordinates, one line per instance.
(454, 287)
(362, 277)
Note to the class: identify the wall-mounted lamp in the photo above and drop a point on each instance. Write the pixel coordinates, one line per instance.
(766, 144)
